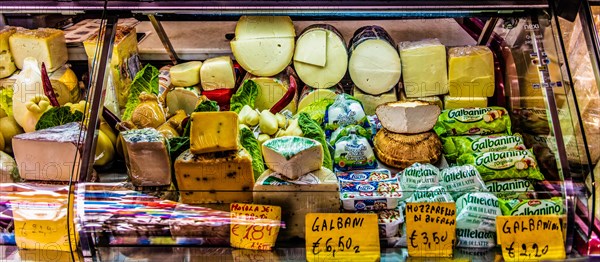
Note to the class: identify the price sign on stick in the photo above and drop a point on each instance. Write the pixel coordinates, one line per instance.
(342, 237)
(254, 226)
(530, 237)
(430, 229)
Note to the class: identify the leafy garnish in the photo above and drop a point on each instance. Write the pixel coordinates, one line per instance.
(146, 80)
(6, 96)
(250, 143)
(246, 95)
(57, 116)
(310, 129)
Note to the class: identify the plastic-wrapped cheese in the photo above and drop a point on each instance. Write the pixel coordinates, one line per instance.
(476, 220)
(217, 73)
(321, 58)
(424, 68)
(461, 179)
(471, 71)
(451, 102)
(370, 102)
(374, 64)
(264, 45)
(293, 156)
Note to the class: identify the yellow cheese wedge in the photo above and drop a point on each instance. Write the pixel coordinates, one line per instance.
(263, 57)
(44, 44)
(471, 71)
(311, 48)
(65, 85)
(424, 68)
(185, 74)
(7, 64)
(213, 132)
(451, 102)
(217, 73)
(370, 102)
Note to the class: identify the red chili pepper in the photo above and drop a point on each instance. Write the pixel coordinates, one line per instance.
(287, 97)
(48, 91)
(221, 96)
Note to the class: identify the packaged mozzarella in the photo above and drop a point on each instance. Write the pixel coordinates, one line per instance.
(419, 176)
(353, 152)
(370, 195)
(365, 175)
(431, 195)
(473, 121)
(347, 130)
(461, 179)
(504, 165)
(344, 111)
(476, 220)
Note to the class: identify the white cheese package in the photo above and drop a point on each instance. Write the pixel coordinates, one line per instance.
(462, 179)
(511, 188)
(433, 194)
(292, 156)
(344, 111)
(370, 195)
(353, 152)
(419, 176)
(365, 175)
(476, 220)
(389, 222)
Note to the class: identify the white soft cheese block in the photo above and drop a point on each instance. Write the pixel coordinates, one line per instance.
(315, 192)
(410, 117)
(432, 99)
(185, 74)
(370, 102)
(320, 67)
(217, 73)
(49, 154)
(424, 68)
(147, 157)
(374, 66)
(471, 71)
(292, 156)
(46, 45)
(7, 64)
(451, 102)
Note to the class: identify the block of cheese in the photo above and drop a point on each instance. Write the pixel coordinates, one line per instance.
(431, 99)
(264, 45)
(183, 98)
(7, 63)
(46, 45)
(292, 156)
(185, 74)
(271, 90)
(424, 68)
(213, 132)
(451, 102)
(49, 154)
(370, 102)
(374, 64)
(217, 73)
(471, 71)
(321, 57)
(124, 65)
(221, 177)
(408, 117)
(147, 157)
(315, 192)
(310, 95)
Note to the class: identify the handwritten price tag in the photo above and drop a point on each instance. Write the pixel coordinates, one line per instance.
(254, 226)
(430, 229)
(530, 237)
(342, 237)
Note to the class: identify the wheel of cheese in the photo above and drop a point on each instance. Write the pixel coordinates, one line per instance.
(408, 117)
(401, 151)
(321, 57)
(374, 64)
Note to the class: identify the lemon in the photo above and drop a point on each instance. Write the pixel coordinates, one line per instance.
(105, 151)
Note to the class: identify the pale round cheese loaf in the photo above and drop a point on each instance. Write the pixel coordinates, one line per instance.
(408, 117)
(401, 151)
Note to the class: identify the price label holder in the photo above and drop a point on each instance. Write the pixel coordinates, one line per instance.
(254, 226)
(342, 237)
(430, 229)
(530, 237)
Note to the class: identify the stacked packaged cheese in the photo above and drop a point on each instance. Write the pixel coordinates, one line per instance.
(296, 181)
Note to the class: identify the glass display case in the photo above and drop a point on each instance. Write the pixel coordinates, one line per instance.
(501, 98)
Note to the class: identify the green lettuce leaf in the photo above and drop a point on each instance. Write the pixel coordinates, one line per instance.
(250, 143)
(316, 110)
(57, 116)
(146, 80)
(6, 96)
(177, 145)
(245, 95)
(312, 130)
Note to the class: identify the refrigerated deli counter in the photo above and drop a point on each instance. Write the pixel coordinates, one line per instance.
(204, 125)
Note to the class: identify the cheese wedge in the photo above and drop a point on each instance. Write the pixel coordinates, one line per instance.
(182, 98)
(213, 132)
(7, 64)
(371, 102)
(217, 73)
(311, 48)
(147, 157)
(424, 68)
(451, 102)
(293, 156)
(263, 57)
(185, 74)
(46, 45)
(471, 71)
(408, 117)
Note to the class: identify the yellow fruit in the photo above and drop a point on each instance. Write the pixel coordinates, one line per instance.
(9, 128)
(104, 150)
(108, 131)
(69, 79)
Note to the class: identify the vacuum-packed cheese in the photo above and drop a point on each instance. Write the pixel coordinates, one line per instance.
(217, 73)
(471, 71)
(424, 68)
(46, 45)
(147, 157)
(221, 177)
(293, 156)
(7, 64)
(370, 102)
(185, 74)
(451, 102)
(213, 132)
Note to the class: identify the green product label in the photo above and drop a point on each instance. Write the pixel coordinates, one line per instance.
(503, 143)
(469, 115)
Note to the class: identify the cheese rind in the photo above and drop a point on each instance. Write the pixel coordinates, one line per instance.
(185, 74)
(213, 132)
(263, 57)
(46, 45)
(48, 154)
(7, 64)
(221, 177)
(471, 71)
(370, 102)
(293, 156)
(147, 157)
(374, 66)
(424, 68)
(217, 73)
(451, 102)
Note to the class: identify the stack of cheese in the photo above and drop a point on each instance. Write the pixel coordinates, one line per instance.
(406, 137)
(470, 77)
(296, 181)
(215, 170)
(374, 67)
